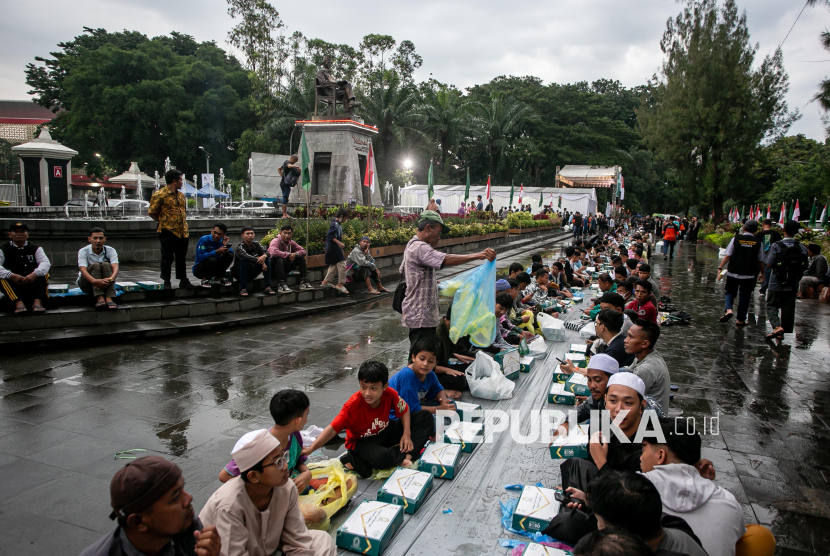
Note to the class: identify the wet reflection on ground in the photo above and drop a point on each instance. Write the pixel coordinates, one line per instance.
(65, 414)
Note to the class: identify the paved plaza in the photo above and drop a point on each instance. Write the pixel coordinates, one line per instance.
(66, 414)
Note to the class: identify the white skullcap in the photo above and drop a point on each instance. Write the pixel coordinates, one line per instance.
(628, 379)
(604, 363)
(262, 444)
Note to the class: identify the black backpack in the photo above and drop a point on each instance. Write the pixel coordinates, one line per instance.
(790, 263)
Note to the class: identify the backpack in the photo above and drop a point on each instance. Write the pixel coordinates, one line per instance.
(670, 233)
(289, 176)
(790, 263)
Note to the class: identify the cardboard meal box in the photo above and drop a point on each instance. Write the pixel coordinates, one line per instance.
(578, 384)
(537, 507)
(150, 286)
(576, 290)
(559, 375)
(407, 488)
(578, 348)
(440, 459)
(527, 364)
(465, 434)
(128, 286)
(533, 549)
(523, 348)
(370, 527)
(558, 394)
(510, 362)
(572, 445)
(468, 411)
(57, 288)
(578, 297)
(578, 359)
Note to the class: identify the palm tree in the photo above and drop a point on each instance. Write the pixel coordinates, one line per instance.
(448, 118)
(503, 120)
(392, 107)
(295, 103)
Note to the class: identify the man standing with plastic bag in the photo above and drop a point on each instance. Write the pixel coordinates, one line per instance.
(419, 308)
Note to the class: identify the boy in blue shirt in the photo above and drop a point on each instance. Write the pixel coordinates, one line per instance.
(417, 383)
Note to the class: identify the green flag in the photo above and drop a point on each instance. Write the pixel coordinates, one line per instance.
(429, 182)
(541, 194)
(305, 175)
(812, 222)
(559, 204)
(792, 208)
(511, 194)
(467, 189)
(743, 208)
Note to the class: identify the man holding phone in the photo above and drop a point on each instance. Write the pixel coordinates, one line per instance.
(213, 256)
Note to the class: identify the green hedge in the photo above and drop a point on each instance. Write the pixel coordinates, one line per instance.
(721, 240)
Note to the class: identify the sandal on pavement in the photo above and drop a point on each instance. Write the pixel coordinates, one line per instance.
(374, 292)
(19, 310)
(243, 293)
(341, 289)
(269, 291)
(225, 282)
(726, 317)
(740, 323)
(774, 335)
(101, 304)
(38, 309)
(111, 305)
(381, 288)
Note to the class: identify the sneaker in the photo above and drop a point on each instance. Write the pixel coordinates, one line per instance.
(168, 285)
(185, 284)
(205, 283)
(284, 289)
(306, 285)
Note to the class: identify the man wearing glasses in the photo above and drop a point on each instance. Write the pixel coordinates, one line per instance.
(258, 512)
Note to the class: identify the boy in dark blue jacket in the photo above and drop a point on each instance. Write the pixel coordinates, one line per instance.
(213, 256)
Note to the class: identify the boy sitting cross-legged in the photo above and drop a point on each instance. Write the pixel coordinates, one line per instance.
(418, 384)
(289, 408)
(373, 440)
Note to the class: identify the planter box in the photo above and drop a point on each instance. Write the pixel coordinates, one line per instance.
(528, 230)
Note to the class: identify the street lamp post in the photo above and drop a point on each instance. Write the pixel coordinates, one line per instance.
(207, 154)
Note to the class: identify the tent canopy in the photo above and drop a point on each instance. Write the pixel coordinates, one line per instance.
(588, 176)
(451, 196)
(210, 191)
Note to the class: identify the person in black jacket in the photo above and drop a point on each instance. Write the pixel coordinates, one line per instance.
(24, 270)
(745, 260)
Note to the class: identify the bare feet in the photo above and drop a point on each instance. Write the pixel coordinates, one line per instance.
(407, 462)
(373, 291)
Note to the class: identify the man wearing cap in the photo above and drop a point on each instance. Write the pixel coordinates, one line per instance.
(648, 364)
(24, 270)
(745, 259)
(154, 514)
(258, 512)
(419, 310)
(600, 370)
(625, 391)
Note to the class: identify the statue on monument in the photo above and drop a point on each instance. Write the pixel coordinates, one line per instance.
(328, 86)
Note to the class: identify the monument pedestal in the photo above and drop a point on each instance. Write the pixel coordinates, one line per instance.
(338, 153)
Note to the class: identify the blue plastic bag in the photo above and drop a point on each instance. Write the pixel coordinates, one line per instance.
(473, 304)
(507, 509)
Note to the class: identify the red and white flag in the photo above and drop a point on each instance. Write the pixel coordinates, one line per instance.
(487, 195)
(796, 211)
(783, 217)
(768, 210)
(521, 192)
(371, 171)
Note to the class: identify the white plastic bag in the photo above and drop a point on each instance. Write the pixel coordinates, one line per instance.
(538, 347)
(485, 379)
(552, 329)
(588, 330)
(659, 245)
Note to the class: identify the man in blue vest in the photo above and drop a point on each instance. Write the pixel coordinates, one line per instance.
(744, 261)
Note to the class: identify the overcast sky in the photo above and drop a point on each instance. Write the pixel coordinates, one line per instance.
(463, 42)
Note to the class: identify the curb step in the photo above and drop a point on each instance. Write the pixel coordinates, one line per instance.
(166, 313)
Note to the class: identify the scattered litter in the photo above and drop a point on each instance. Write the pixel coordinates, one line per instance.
(310, 434)
(120, 455)
(447, 511)
(512, 487)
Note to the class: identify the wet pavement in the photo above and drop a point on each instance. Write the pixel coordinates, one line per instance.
(65, 415)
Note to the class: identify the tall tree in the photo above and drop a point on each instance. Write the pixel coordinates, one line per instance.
(265, 53)
(710, 109)
(823, 95)
(502, 123)
(130, 98)
(448, 117)
(393, 109)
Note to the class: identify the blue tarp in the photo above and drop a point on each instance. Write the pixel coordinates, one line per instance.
(189, 190)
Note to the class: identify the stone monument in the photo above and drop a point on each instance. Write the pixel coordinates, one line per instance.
(330, 90)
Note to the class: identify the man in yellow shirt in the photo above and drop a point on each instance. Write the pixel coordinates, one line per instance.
(168, 207)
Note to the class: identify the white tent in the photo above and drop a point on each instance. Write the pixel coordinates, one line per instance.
(588, 176)
(451, 196)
